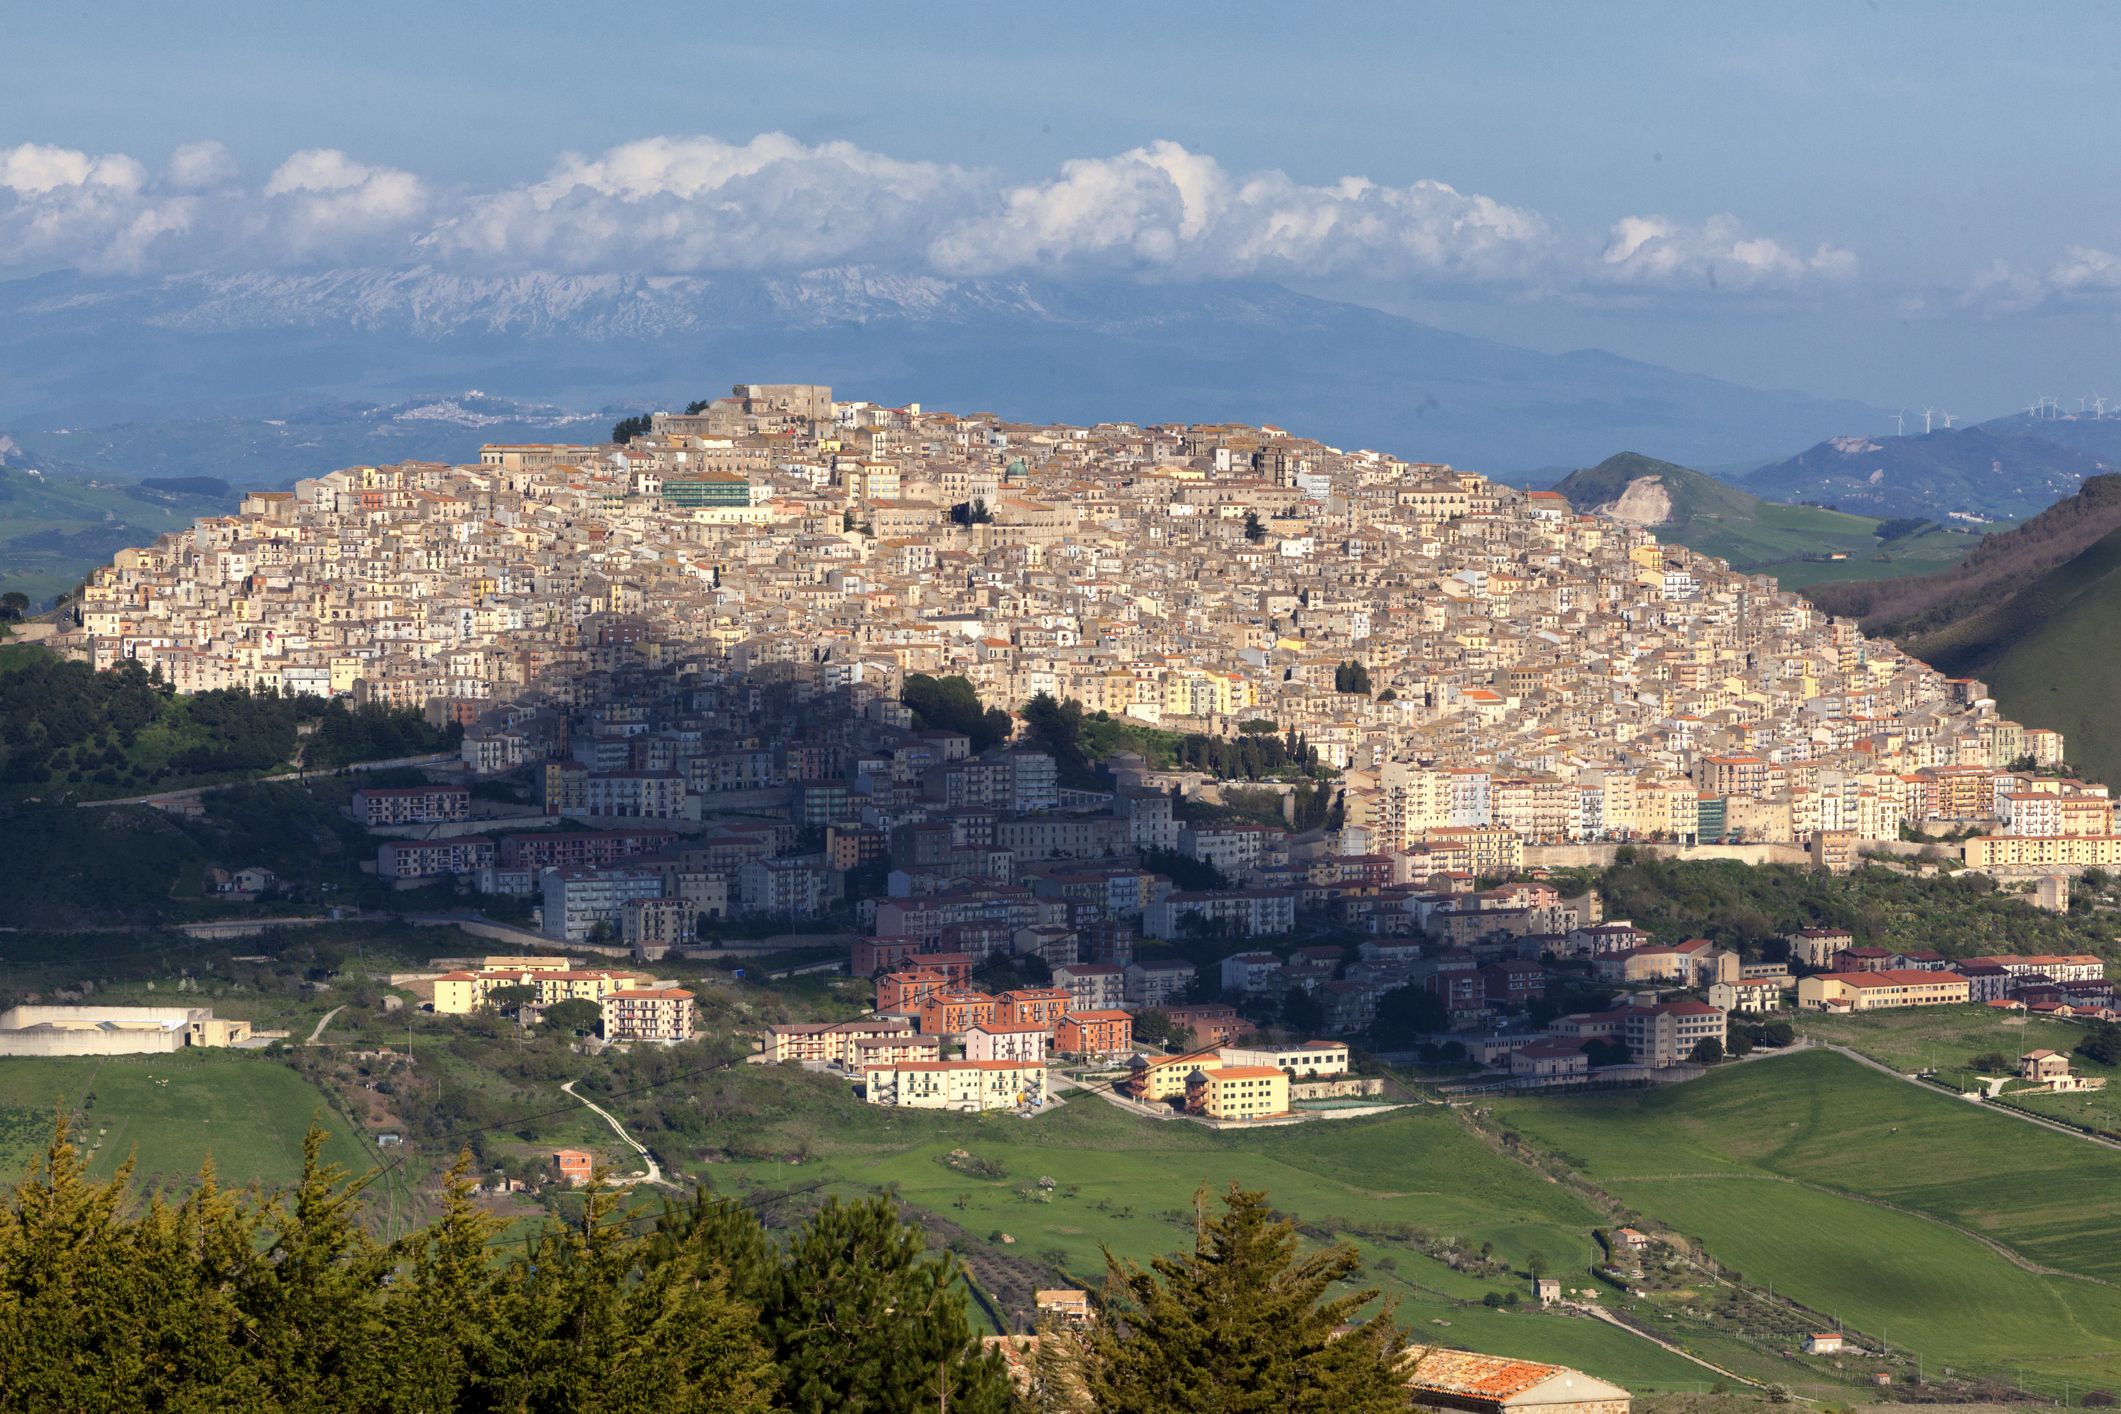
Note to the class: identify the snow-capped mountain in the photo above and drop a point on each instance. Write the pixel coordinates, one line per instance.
(84, 350)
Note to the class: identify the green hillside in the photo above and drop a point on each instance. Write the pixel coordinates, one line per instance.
(2047, 654)
(1965, 1238)
(53, 532)
(1799, 545)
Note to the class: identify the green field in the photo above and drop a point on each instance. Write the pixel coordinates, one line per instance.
(1396, 1186)
(169, 1113)
(1945, 1040)
(1867, 1198)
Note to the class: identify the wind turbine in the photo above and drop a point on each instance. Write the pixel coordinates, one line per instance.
(1899, 418)
(1926, 415)
(1947, 416)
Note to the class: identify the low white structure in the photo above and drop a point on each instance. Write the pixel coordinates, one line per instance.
(113, 1030)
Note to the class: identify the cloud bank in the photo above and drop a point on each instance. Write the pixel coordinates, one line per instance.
(691, 205)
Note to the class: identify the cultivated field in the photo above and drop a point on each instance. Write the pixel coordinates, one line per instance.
(1967, 1238)
(169, 1113)
(1947, 1040)
(1399, 1186)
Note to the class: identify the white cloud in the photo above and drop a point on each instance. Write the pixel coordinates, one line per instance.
(200, 166)
(2083, 274)
(1166, 209)
(1718, 254)
(35, 170)
(674, 205)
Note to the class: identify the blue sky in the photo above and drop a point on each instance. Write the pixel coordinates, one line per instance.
(1907, 204)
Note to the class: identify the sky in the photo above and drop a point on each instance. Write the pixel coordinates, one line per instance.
(1899, 203)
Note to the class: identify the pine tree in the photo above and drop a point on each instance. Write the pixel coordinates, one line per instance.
(1243, 1325)
(864, 1321)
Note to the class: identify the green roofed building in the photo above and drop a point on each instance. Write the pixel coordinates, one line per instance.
(692, 492)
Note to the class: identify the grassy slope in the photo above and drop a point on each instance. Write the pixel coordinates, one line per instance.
(1945, 1040)
(1125, 1183)
(2052, 660)
(1719, 519)
(1769, 1164)
(247, 1111)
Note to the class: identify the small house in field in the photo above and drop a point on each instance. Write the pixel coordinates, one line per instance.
(2043, 1066)
(1823, 1343)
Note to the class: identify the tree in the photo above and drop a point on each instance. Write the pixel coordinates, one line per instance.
(1607, 1050)
(1301, 1013)
(1243, 1324)
(1056, 728)
(1254, 531)
(506, 1000)
(1405, 1015)
(952, 704)
(1351, 676)
(13, 605)
(1707, 1051)
(2102, 1045)
(628, 428)
(863, 1320)
(577, 1014)
(1154, 1025)
(696, 407)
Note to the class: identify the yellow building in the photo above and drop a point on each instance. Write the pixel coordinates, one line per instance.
(955, 1084)
(1880, 991)
(461, 993)
(2043, 851)
(1162, 1079)
(1238, 1092)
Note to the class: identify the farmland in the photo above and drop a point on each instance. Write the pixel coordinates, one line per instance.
(1946, 1041)
(169, 1113)
(1396, 1186)
(1961, 1237)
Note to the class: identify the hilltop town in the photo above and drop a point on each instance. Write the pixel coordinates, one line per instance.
(1103, 698)
(886, 772)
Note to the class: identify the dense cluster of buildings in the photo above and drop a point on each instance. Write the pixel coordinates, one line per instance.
(695, 645)
(1528, 673)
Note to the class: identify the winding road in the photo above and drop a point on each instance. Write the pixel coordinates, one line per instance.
(316, 1033)
(653, 1173)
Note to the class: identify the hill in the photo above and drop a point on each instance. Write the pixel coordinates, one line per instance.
(2004, 470)
(1965, 1238)
(53, 531)
(1800, 545)
(79, 351)
(2033, 612)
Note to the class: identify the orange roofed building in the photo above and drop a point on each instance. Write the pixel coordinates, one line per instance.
(1469, 1383)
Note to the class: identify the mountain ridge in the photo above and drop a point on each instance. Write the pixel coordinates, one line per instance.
(87, 350)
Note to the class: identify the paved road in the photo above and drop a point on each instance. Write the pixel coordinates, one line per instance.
(653, 1173)
(194, 792)
(1595, 1312)
(317, 1032)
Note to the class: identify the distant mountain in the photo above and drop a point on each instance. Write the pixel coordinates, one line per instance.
(250, 450)
(2034, 611)
(1798, 544)
(85, 352)
(1999, 471)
